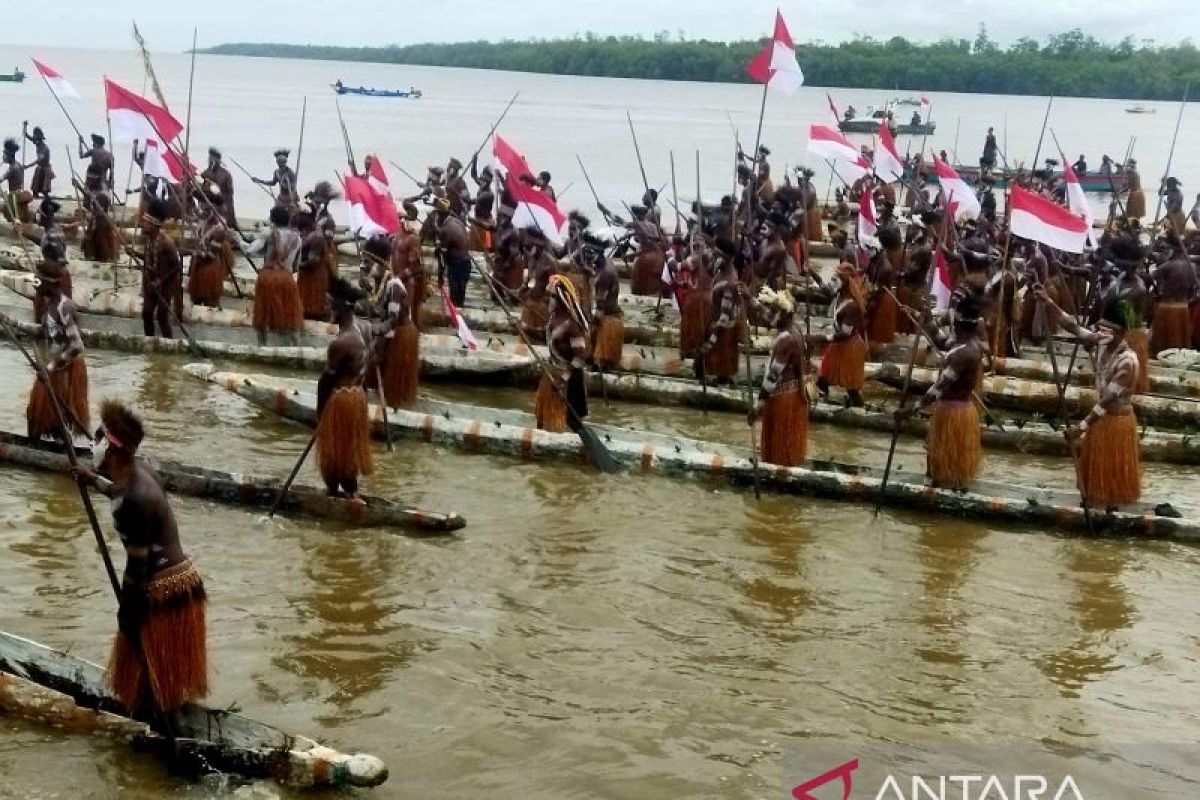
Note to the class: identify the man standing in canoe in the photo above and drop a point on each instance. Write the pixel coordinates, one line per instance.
(98, 179)
(648, 266)
(1129, 258)
(987, 162)
(783, 402)
(285, 178)
(159, 659)
(561, 400)
(312, 268)
(1172, 192)
(720, 349)
(212, 260)
(1109, 464)
(1135, 204)
(483, 224)
(1175, 284)
(608, 332)
(100, 240)
(13, 176)
(217, 177)
(844, 361)
(408, 263)
(954, 446)
(454, 245)
(398, 348)
(456, 188)
(277, 306)
(535, 294)
(343, 422)
(66, 366)
(162, 271)
(43, 173)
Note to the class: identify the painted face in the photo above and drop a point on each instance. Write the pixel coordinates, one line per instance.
(99, 450)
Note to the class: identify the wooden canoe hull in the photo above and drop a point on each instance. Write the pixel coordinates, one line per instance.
(252, 492)
(482, 430)
(72, 690)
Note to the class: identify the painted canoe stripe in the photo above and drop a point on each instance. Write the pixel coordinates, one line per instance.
(635, 362)
(527, 442)
(280, 401)
(647, 457)
(717, 464)
(427, 428)
(471, 436)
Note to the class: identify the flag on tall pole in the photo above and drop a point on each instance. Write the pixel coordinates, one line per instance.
(776, 64)
(888, 165)
(59, 85)
(952, 186)
(135, 117)
(161, 163)
(833, 110)
(1034, 217)
(534, 208)
(831, 145)
(372, 213)
(1077, 200)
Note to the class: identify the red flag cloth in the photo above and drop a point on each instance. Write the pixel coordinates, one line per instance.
(943, 282)
(1034, 217)
(888, 165)
(776, 63)
(1076, 199)
(960, 198)
(135, 117)
(59, 85)
(868, 224)
(534, 208)
(833, 110)
(163, 163)
(460, 325)
(831, 145)
(371, 212)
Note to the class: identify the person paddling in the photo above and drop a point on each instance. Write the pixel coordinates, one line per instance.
(343, 433)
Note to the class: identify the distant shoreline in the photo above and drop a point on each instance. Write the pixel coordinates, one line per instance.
(1068, 64)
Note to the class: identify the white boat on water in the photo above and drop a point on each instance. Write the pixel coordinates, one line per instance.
(1140, 109)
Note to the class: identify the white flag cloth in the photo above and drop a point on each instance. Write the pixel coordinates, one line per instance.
(959, 196)
(1077, 200)
(135, 117)
(832, 146)
(776, 64)
(460, 325)
(888, 165)
(1034, 217)
(534, 208)
(868, 224)
(372, 213)
(940, 281)
(59, 85)
(161, 163)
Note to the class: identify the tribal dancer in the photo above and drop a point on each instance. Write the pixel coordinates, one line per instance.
(398, 350)
(98, 178)
(408, 264)
(561, 400)
(285, 178)
(43, 173)
(277, 306)
(783, 402)
(343, 420)
(159, 659)
(162, 272)
(217, 178)
(844, 361)
(1175, 283)
(213, 258)
(65, 366)
(312, 268)
(535, 295)
(608, 333)
(725, 330)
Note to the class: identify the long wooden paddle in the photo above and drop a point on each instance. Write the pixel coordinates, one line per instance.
(887, 470)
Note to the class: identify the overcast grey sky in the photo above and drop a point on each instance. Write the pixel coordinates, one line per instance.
(167, 24)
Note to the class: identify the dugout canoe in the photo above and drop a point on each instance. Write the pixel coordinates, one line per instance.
(65, 691)
(477, 429)
(249, 491)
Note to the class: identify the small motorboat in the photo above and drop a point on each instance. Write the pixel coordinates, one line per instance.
(411, 94)
(16, 76)
(1141, 109)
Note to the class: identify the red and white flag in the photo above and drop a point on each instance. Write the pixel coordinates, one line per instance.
(868, 221)
(135, 117)
(941, 281)
(460, 324)
(371, 213)
(378, 179)
(888, 165)
(1034, 217)
(59, 86)
(960, 198)
(534, 208)
(831, 145)
(833, 111)
(1077, 200)
(162, 163)
(924, 105)
(776, 63)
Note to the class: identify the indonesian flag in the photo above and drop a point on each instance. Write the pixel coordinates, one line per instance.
(371, 213)
(59, 86)
(378, 179)
(941, 281)
(135, 117)
(888, 165)
(833, 110)
(868, 223)
(534, 208)
(162, 163)
(1077, 200)
(831, 145)
(1039, 219)
(776, 64)
(960, 198)
(460, 324)
(924, 105)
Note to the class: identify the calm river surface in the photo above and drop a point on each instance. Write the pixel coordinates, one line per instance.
(595, 636)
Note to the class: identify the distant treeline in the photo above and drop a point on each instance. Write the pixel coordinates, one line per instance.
(1066, 64)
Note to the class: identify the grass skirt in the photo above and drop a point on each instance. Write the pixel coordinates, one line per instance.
(813, 223)
(344, 437)
(534, 316)
(722, 360)
(401, 367)
(955, 451)
(844, 363)
(313, 286)
(913, 300)
(647, 274)
(785, 426)
(100, 243)
(417, 292)
(1135, 206)
(206, 280)
(277, 305)
(609, 340)
(171, 639)
(71, 386)
(1110, 470)
(1172, 327)
(693, 322)
(549, 408)
(1195, 309)
(481, 239)
(1139, 341)
(881, 322)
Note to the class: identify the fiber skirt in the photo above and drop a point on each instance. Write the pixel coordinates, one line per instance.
(1172, 327)
(71, 386)
(206, 280)
(955, 451)
(693, 322)
(722, 360)
(785, 426)
(401, 367)
(535, 314)
(344, 437)
(171, 640)
(549, 408)
(277, 306)
(647, 274)
(844, 363)
(608, 341)
(881, 322)
(313, 287)
(1110, 467)
(1139, 341)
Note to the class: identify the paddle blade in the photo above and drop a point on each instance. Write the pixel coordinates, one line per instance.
(597, 453)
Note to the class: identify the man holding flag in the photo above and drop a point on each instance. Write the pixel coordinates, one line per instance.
(98, 178)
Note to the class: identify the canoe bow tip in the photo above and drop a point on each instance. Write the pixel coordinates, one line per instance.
(365, 770)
